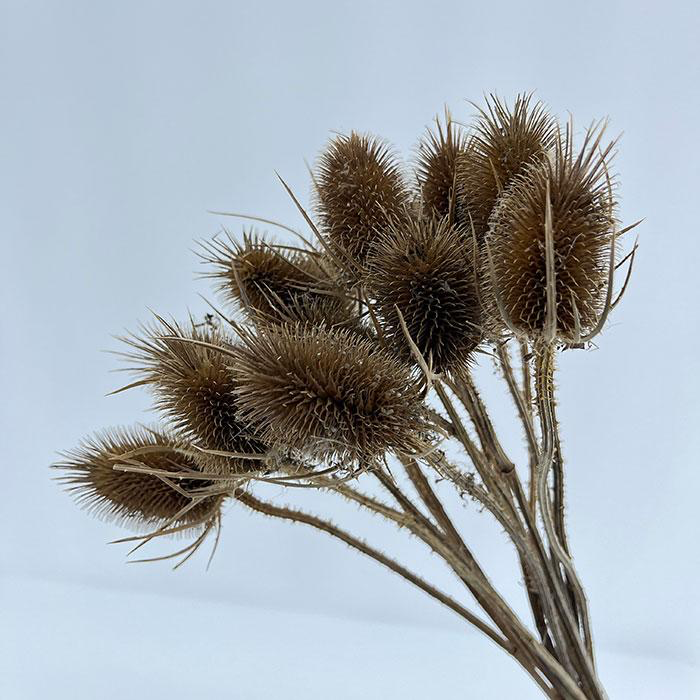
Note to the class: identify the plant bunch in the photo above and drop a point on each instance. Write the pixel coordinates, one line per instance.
(343, 362)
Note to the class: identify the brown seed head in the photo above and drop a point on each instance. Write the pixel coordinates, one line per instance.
(324, 311)
(327, 393)
(272, 283)
(425, 269)
(131, 498)
(195, 388)
(583, 221)
(504, 141)
(438, 154)
(359, 187)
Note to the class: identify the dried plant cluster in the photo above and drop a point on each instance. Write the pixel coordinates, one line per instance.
(344, 364)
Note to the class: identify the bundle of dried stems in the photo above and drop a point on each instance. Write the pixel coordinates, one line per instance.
(349, 367)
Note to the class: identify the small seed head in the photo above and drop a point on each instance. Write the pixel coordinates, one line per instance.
(359, 187)
(140, 500)
(195, 389)
(438, 154)
(272, 283)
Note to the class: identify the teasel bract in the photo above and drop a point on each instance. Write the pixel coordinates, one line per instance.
(138, 498)
(328, 393)
(422, 283)
(439, 153)
(502, 143)
(188, 371)
(360, 189)
(568, 198)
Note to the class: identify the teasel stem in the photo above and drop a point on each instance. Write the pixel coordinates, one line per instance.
(573, 607)
(529, 419)
(471, 574)
(449, 543)
(515, 532)
(537, 663)
(432, 502)
(479, 413)
(487, 464)
(522, 398)
(554, 610)
(466, 391)
(261, 506)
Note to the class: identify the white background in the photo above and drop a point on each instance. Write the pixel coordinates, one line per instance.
(121, 125)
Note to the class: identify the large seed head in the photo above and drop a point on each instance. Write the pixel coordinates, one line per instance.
(504, 142)
(438, 154)
(136, 499)
(583, 222)
(425, 269)
(329, 394)
(195, 388)
(359, 186)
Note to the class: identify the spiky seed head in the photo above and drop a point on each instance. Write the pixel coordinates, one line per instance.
(359, 188)
(272, 282)
(195, 389)
(131, 498)
(583, 221)
(328, 393)
(504, 141)
(425, 269)
(438, 154)
(324, 311)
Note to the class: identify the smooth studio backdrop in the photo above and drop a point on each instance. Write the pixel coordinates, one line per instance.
(121, 125)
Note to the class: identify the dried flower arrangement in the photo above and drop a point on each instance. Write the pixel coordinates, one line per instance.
(349, 366)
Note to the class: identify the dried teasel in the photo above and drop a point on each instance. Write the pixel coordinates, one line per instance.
(328, 393)
(139, 499)
(275, 283)
(358, 352)
(503, 143)
(359, 187)
(189, 374)
(568, 198)
(425, 271)
(323, 311)
(439, 152)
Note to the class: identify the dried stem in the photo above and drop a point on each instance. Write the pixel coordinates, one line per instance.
(299, 516)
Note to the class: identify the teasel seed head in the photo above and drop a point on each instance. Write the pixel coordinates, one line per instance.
(189, 374)
(359, 188)
(503, 143)
(329, 394)
(577, 190)
(273, 283)
(439, 152)
(425, 270)
(328, 311)
(137, 499)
